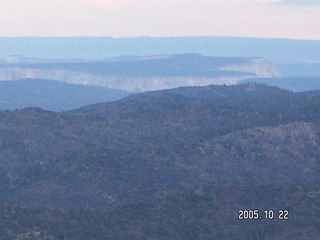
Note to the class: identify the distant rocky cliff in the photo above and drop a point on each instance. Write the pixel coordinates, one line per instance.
(146, 74)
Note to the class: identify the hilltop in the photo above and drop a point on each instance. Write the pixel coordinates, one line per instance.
(172, 164)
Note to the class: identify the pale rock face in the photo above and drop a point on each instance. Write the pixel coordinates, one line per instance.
(260, 66)
(256, 68)
(12, 59)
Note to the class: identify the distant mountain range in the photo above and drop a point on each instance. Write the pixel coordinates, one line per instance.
(300, 70)
(276, 50)
(292, 58)
(53, 95)
(145, 73)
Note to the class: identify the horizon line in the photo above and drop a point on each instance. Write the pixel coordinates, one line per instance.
(163, 37)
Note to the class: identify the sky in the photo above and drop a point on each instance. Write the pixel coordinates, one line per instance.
(294, 19)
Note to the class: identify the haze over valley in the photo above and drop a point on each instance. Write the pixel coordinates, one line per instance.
(147, 73)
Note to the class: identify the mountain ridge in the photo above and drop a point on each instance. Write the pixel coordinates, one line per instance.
(165, 133)
(152, 73)
(277, 50)
(171, 164)
(52, 95)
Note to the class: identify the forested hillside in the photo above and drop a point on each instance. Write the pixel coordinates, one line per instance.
(173, 164)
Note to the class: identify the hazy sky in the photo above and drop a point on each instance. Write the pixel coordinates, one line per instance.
(297, 19)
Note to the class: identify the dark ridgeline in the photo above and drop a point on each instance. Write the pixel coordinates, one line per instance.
(53, 95)
(296, 84)
(172, 164)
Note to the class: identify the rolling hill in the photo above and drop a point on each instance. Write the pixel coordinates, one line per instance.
(53, 95)
(173, 164)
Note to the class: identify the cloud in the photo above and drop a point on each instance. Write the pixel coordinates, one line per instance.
(266, 1)
(297, 3)
(129, 18)
(303, 3)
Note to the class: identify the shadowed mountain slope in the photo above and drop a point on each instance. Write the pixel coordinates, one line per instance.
(53, 95)
(174, 164)
(110, 153)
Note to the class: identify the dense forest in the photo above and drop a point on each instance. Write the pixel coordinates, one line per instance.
(171, 164)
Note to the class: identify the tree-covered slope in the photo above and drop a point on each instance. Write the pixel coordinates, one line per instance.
(207, 212)
(174, 164)
(114, 152)
(297, 84)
